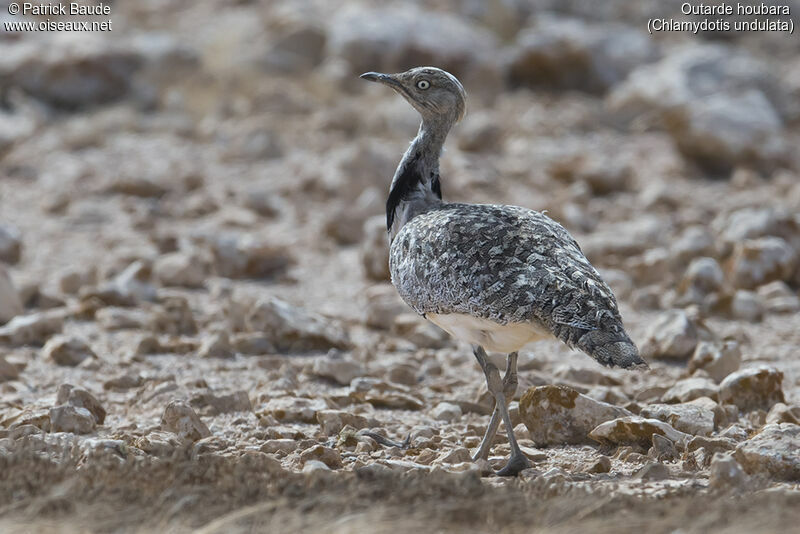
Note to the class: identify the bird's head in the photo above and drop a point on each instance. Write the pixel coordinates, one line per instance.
(436, 94)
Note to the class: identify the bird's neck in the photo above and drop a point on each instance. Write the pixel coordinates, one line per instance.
(415, 186)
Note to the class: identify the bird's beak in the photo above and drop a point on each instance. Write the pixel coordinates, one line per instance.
(386, 79)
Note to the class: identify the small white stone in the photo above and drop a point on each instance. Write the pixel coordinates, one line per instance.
(68, 418)
(759, 261)
(68, 351)
(747, 306)
(340, 370)
(689, 418)
(672, 335)
(726, 473)
(216, 345)
(312, 466)
(689, 389)
(752, 388)
(180, 269)
(181, 419)
(717, 359)
(447, 411)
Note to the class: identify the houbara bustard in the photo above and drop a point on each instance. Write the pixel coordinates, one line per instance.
(495, 276)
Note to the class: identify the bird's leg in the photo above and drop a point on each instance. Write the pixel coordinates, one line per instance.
(517, 462)
(509, 389)
(488, 437)
(510, 378)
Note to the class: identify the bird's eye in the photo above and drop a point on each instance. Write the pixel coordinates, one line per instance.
(423, 84)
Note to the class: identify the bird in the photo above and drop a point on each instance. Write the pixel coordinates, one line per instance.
(495, 276)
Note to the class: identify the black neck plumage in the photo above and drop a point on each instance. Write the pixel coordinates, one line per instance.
(411, 181)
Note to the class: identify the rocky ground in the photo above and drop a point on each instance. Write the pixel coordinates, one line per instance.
(196, 325)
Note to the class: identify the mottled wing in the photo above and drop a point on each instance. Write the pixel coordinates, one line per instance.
(506, 264)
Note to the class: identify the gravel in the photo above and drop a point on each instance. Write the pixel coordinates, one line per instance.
(195, 303)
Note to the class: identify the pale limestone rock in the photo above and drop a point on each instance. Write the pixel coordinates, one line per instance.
(180, 418)
(69, 418)
(279, 446)
(313, 466)
(293, 409)
(446, 411)
(781, 413)
(180, 269)
(326, 455)
(158, 443)
(456, 455)
(72, 281)
(382, 306)
(663, 449)
(688, 418)
(672, 336)
(652, 471)
(333, 421)
(248, 256)
(774, 451)
(556, 415)
(569, 53)
(124, 381)
(752, 388)
(294, 329)
(339, 369)
(67, 350)
(717, 359)
(778, 297)
(746, 305)
(703, 276)
(719, 105)
(636, 430)
(689, 389)
(216, 345)
(32, 329)
(760, 261)
(79, 397)
(694, 243)
(726, 473)
(754, 223)
(214, 404)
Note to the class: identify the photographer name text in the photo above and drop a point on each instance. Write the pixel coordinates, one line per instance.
(72, 9)
(57, 10)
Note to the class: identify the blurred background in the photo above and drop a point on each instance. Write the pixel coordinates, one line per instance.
(206, 182)
(189, 120)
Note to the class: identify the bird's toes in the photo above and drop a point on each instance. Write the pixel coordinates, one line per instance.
(515, 465)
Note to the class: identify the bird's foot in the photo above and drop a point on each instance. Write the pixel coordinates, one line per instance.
(386, 442)
(515, 465)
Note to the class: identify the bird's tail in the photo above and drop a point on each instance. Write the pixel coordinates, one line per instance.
(612, 349)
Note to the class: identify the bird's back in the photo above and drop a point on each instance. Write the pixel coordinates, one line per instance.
(508, 266)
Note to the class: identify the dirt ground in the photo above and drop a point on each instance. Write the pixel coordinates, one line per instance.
(181, 496)
(198, 331)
